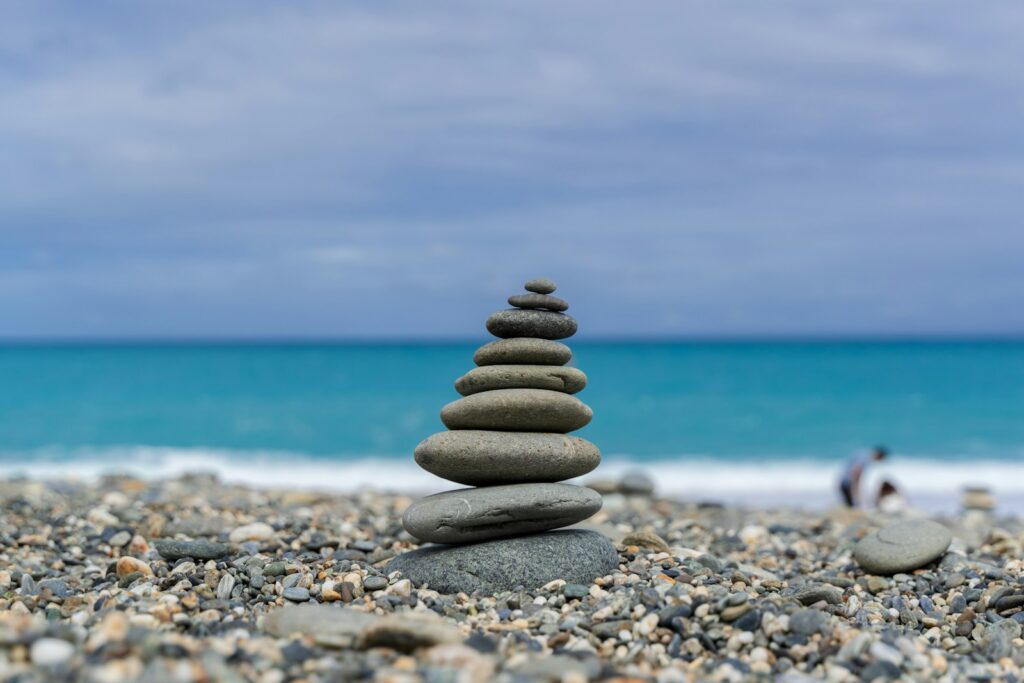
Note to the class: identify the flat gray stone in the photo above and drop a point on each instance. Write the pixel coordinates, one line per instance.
(551, 303)
(523, 351)
(471, 515)
(902, 547)
(550, 377)
(517, 410)
(483, 458)
(541, 285)
(517, 322)
(574, 555)
(171, 549)
(332, 626)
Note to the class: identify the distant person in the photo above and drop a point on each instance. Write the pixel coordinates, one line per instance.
(889, 498)
(849, 484)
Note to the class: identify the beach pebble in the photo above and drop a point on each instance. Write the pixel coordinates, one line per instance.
(808, 622)
(130, 565)
(296, 594)
(51, 652)
(257, 531)
(540, 285)
(572, 555)
(485, 458)
(902, 547)
(171, 549)
(530, 410)
(523, 351)
(546, 301)
(476, 514)
(518, 322)
(332, 626)
(550, 377)
(408, 632)
(636, 483)
(646, 539)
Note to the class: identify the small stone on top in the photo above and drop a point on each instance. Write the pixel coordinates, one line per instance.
(541, 285)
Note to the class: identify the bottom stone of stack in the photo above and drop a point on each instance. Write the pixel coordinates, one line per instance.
(573, 555)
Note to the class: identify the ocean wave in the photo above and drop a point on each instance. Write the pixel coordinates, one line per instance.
(927, 482)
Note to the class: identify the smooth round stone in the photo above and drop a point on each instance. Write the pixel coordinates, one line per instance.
(550, 377)
(480, 458)
(541, 285)
(517, 410)
(523, 351)
(573, 555)
(552, 303)
(470, 515)
(902, 547)
(517, 322)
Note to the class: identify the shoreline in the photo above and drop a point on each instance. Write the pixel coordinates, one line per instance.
(297, 586)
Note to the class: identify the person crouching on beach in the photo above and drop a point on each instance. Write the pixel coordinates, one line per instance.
(849, 484)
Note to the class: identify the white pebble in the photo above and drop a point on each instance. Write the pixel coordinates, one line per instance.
(51, 652)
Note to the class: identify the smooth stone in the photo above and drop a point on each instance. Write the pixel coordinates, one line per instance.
(296, 594)
(807, 622)
(523, 351)
(540, 285)
(517, 410)
(51, 652)
(636, 483)
(902, 547)
(517, 322)
(573, 555)
(484, 458)
(408, 632)
(171, 549)
(551, 377)
(470, 515)
(551, 303)
(257, 531)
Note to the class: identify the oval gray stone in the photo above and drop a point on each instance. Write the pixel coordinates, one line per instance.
(541, 285)
(550, 377)
(902, 547)
(573, 555)
(523, 351)
(551, 303)
(471, 515)
(517, 322)
(482, 458)
(517, 410)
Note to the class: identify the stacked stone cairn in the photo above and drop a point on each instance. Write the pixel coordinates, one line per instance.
(508, 437)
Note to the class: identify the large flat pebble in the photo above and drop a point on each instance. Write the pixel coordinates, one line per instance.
(573, 555)
(902, 547)
(520, 410)
(470, 515)
(523, 351)
(550, 377)
(515, 322)
(485, 458)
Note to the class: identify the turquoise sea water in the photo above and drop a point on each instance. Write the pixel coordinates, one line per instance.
(684, 405)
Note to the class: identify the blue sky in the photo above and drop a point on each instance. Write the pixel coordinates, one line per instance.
(396, 169)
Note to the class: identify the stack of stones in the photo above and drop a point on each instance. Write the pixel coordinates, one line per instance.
(509, 438)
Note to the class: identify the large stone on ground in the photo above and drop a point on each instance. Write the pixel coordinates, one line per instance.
(550, 377)
(540, 285)
(517, 410)
(171, 549)
(523, 351)
(574, 555)
(516, 322)
(470, 515)
(482, 458)
(902, 547)
(551, 303)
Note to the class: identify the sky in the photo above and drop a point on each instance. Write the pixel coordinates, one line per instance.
(397, 169)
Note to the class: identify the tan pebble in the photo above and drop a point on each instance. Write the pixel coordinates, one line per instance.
(138, 545)
(127, 565)
(330, 595)
(405, 663)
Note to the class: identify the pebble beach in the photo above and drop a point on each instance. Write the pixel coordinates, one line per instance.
(192, 579)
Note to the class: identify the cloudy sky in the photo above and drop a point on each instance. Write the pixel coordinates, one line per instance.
(396, 169)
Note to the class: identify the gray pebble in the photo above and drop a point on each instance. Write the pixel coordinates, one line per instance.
(171, 549)
(530, 410)
(550, 377)
(375, 583)
(902, 547)
(523, 351)
(470, 515)
(485, 458)
(807, 622)
(296, 594)
(517, 322)
(540, 285)
(551, 303)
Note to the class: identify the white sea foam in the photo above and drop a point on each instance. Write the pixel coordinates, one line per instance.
(927, 483)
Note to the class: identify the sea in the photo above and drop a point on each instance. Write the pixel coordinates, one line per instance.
(736, 422)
